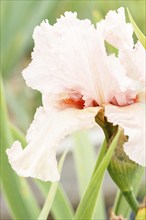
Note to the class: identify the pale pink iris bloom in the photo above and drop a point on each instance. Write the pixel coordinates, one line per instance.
(77, 78)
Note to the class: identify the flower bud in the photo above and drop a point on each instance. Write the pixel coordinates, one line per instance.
(123, 170)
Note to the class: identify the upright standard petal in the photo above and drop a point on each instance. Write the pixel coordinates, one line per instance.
(73, 57)
(47, 70)
(134, 61)
(132, 119)
(38, 159)
(115, 30)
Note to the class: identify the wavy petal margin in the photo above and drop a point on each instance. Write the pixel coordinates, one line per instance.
(38, 159)
(132, 119)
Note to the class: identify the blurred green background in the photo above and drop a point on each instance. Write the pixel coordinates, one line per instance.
(18, 19)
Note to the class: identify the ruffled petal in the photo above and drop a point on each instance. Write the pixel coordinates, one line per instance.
(132, 119)
(38, 159)
(134, 62)
(71, 55)
(47, 71)
(115, 30)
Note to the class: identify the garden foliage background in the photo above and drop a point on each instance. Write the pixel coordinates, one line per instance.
(18, 19)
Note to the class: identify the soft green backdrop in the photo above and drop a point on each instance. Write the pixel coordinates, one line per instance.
(18, 19)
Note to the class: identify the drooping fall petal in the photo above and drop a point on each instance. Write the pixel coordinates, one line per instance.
(38, 158)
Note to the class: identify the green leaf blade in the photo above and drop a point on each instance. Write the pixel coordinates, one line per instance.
(61, 208)
(137, 31)
(51, 194)
(87, 205)
(84, 156)
(14, 187)
(16, 33)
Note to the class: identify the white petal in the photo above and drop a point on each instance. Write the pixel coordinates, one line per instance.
(46, 71)
(134, 62)
(115, 30)
(39, 73)
(132, 119)
(38, 159)
(37, 124)
(71, 56)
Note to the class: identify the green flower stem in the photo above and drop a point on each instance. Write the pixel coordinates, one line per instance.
(121, 205)
(117, 202)
(52, 192)
(131, 199)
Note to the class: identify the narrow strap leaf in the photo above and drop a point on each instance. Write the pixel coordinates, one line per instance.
(52, 192)
(13, 186)
(84, 157)
(101, 155)
(61, 207)
(137, 31)
(86, 207)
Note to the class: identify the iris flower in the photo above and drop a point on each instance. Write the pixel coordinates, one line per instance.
(77, 78)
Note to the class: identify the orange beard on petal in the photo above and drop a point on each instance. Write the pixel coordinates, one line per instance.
(74, 100)
(94, 103)
(73, 103)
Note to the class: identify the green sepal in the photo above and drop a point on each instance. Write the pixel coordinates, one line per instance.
(123, 172)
